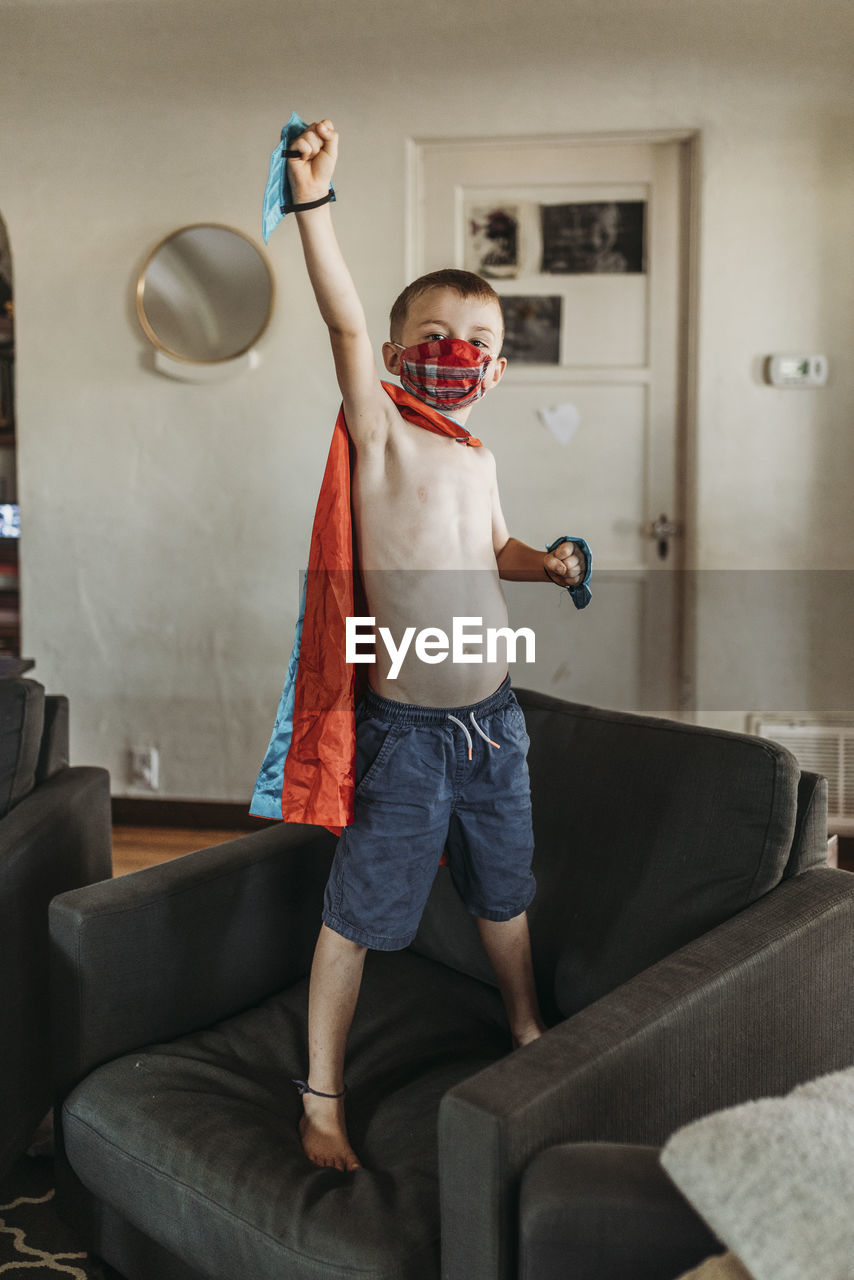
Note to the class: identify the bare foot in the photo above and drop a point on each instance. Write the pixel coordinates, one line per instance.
(324, 1134)
(528, 1034)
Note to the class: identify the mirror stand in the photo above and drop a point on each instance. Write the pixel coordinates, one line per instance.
(219, 372)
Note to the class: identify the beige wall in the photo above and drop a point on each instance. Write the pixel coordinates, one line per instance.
(165, 523)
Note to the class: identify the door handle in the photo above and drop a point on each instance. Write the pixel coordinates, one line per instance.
(662, 530)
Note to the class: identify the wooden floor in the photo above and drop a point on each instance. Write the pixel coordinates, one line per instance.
(138, 847)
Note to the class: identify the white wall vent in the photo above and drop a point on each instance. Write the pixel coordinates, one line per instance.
(820, 746)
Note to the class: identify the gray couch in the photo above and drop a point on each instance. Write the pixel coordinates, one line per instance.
(690, 949)
(54, 835)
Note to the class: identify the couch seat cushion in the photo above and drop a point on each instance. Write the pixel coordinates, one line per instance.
(195, 1142)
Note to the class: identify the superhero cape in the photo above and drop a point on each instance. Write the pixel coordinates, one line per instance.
(308, 774)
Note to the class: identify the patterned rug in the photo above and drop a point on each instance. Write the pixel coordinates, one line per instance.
(34, 1241)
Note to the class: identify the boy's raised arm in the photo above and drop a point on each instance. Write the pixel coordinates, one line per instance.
(366, 406)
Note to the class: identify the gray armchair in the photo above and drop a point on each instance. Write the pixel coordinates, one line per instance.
(690, 950)
(54, 835)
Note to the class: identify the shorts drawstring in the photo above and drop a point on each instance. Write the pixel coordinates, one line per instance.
(497, 745)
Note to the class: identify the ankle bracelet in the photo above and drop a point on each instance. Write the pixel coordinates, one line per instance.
(304, 1087)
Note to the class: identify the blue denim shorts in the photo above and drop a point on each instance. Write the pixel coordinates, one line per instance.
(428, 779)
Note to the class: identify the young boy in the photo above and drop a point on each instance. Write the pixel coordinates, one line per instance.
(441, 746)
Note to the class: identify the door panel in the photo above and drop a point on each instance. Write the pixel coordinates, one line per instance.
(590, 444)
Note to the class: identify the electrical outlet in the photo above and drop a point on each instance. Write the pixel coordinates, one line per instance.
(145, 768)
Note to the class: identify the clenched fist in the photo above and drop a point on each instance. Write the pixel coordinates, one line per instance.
(566, 565)
(311, 174)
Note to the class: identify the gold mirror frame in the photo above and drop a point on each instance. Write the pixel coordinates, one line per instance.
(150, 332)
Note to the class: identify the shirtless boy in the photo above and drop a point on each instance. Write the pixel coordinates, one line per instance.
(421, 503)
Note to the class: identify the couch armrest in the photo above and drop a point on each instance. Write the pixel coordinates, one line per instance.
(53, 754)
(752, 1008)
(151, 955)
(809, 843)
(55, 838)
(58, 837)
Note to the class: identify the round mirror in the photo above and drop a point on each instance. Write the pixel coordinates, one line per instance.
(205, 294)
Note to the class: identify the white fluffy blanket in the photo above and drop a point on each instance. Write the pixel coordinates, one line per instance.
(774, 1180)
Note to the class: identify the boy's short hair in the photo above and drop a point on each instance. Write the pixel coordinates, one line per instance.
(466, 283)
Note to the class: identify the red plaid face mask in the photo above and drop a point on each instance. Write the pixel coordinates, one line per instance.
(447, 374)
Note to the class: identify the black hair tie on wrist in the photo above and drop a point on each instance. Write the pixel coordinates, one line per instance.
(309, 204)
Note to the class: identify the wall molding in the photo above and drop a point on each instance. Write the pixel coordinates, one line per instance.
(142, 811)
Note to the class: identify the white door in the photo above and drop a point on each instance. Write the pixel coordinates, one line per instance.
(586, 243)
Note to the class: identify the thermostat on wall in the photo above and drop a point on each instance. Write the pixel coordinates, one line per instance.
(796, 371)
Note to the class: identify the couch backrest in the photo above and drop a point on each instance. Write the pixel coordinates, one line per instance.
(648, 833)
(21, 722)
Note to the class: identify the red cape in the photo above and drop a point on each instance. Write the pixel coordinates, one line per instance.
(318, 774)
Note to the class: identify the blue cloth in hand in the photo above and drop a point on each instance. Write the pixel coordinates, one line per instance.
(277, 196)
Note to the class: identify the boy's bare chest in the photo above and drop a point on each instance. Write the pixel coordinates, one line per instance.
(425, 496)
